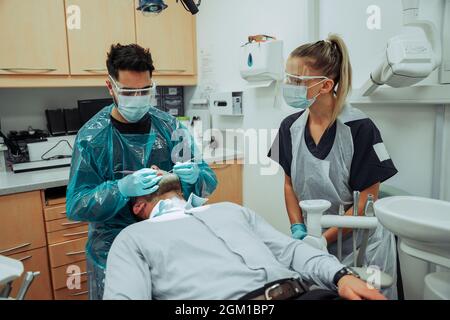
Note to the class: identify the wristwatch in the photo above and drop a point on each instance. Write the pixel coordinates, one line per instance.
(344, 272)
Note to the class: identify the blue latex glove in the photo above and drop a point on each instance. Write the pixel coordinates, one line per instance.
(140, 183)
(187, 172)
(298, 231)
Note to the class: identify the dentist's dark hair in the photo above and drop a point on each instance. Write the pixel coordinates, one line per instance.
(130, 57)
(331, 57)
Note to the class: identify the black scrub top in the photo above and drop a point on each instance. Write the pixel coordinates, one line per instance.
(369, 166)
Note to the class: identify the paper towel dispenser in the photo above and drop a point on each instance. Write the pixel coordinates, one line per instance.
(261, 63)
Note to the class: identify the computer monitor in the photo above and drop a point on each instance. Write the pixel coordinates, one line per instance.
(89, 108)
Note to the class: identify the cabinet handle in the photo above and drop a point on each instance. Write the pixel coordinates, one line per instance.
(71, 223)
(75, 234)
(79, 293)
(15, 248)
(219, 167)
(96, 70)
(25, 258)
(29, 69)
(79, 274)
(74, 253)
(170, 70)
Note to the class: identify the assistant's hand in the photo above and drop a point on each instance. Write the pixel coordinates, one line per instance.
(352, 288)
(140, 183)
(187, 172)
(298, 231)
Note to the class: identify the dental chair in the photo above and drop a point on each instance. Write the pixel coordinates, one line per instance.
(316, 220)
(10, 270)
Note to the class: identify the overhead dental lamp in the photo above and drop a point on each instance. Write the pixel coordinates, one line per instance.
(410, 57)
(157, 6)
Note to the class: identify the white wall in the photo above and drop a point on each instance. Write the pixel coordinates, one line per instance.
(407, 130)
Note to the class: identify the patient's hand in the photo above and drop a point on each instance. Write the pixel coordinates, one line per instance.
(352, 288)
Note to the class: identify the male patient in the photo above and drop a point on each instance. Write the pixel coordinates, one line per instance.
(186, 250)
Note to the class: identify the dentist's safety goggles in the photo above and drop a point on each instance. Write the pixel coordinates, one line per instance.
(147, 91)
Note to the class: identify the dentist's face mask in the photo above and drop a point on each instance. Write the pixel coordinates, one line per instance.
(295, 91)
(133, 104)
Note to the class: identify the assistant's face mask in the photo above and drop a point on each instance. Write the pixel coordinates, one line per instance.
(295, 95)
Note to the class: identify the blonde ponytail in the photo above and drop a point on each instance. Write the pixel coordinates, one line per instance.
(332, 58)
(344, 82)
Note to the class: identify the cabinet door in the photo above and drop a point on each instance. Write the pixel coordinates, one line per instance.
(229, 187)
(33, 37)
(34, 260)
(21, 223)
(103, 23)
(170, 36)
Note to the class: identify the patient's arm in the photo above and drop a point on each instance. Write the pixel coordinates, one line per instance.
(127, 272)
(312, 264)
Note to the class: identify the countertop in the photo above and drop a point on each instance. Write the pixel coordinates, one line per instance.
(11, 182)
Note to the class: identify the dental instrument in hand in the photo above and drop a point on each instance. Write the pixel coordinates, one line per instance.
(186, 162)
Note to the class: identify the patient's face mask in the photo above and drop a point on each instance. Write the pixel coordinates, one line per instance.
(295, 91)
(133, 104)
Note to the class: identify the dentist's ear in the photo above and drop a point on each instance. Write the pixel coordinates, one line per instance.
(109, 86)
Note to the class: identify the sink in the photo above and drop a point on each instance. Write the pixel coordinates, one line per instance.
(423, 229)
(418, 219)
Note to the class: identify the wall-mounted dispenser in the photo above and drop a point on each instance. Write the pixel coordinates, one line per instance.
(261, 62)
(226, 104)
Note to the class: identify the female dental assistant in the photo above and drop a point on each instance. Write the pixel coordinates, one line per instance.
(113, 154)
(328, 149)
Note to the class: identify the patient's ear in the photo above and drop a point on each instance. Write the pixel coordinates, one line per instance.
(138, 208)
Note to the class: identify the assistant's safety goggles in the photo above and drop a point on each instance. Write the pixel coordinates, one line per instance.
(295, 80)
(147, 91)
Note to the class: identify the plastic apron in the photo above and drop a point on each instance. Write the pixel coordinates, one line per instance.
(100, 155)
(313, 178)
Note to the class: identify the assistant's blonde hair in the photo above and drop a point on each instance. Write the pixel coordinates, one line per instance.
(331, 57)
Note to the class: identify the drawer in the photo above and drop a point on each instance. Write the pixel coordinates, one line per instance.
(61, 224)
(21, 223)
(67, 234)
(67, 252)
(73, 294)
(34, 260)
(60, 275)
(55, 212)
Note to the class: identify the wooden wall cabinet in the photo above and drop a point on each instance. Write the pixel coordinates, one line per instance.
(33, 38)
(104, 22)
(170, 37)
(39, 50)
